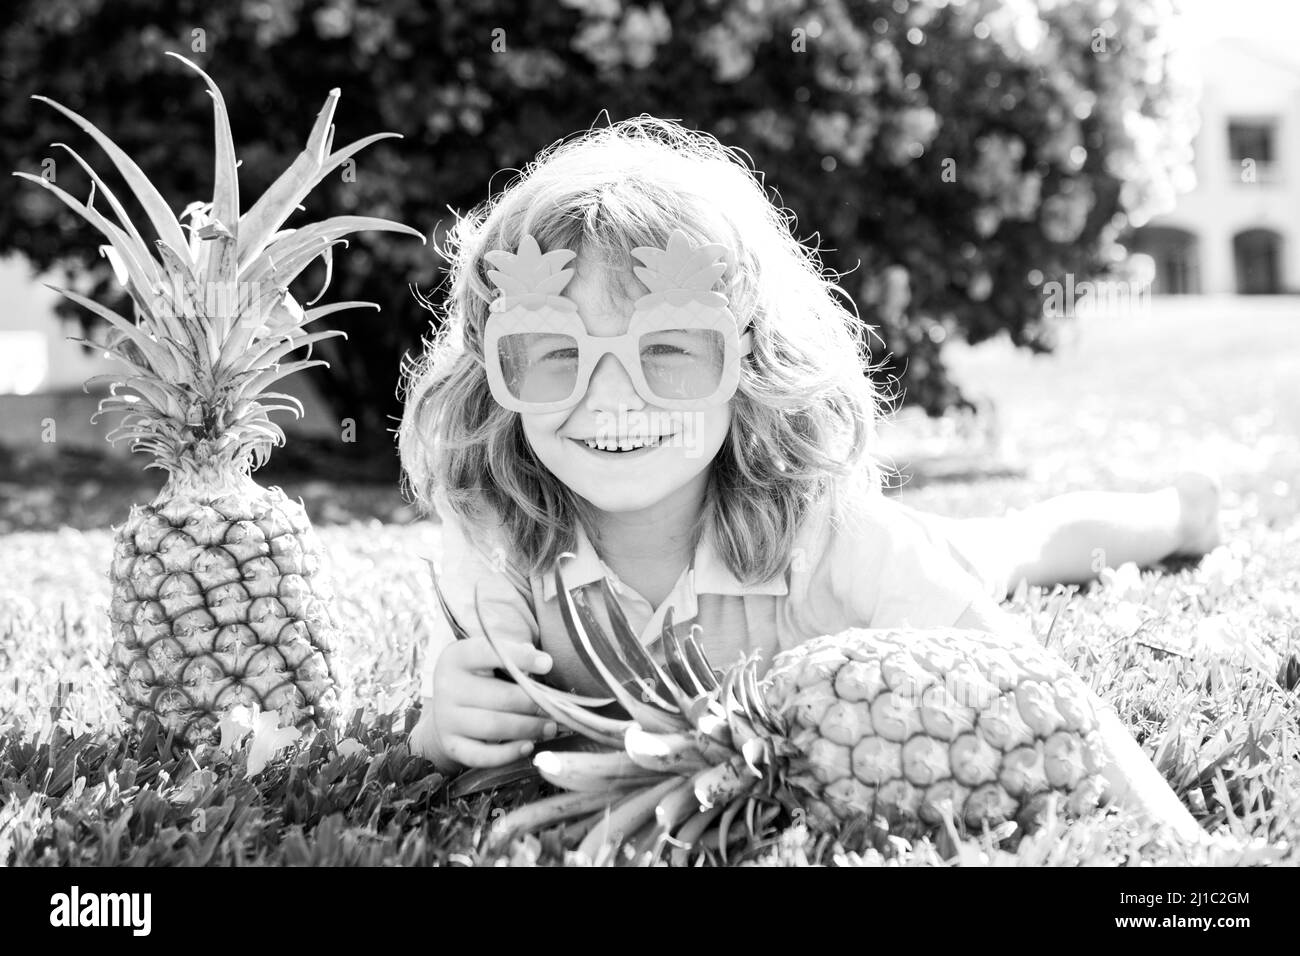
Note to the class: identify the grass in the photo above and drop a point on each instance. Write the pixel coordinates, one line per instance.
(1201, 660)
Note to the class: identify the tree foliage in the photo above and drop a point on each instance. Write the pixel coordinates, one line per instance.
(948, 157)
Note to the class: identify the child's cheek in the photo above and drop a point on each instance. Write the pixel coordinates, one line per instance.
(542, 430)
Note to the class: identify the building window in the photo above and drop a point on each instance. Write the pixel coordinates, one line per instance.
(1251, 144)
(1258, 258)
(1175, 254)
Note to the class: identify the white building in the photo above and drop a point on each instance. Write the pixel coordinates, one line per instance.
(1238, 231)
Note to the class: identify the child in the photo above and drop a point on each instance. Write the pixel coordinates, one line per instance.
(756, 509)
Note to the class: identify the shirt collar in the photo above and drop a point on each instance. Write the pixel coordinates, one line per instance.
(712, 576)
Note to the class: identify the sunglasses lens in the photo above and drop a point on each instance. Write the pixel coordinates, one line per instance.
(682, 363)
(539, 366)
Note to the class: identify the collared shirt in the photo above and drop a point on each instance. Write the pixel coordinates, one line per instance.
(883, 567)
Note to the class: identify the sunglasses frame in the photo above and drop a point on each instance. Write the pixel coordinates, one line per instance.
(593, 348)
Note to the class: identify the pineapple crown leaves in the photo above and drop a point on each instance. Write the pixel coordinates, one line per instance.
(214, 315)
(682, 273)
(529, 278)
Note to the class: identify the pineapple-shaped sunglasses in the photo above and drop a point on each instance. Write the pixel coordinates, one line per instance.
(681, 350)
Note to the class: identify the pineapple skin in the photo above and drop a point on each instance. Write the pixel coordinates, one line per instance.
(893, 723)
(220, 599)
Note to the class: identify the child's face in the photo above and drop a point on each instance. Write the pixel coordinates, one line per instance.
(618, 481)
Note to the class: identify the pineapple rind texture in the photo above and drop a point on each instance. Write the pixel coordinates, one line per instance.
(896, 723)
(220, 601)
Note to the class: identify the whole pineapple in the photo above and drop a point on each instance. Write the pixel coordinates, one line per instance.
(900, 726)
(218, 594)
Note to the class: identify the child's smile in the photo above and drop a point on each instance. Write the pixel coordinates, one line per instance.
(624, 448)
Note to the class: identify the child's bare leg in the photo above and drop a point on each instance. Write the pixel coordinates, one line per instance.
(1070, 538)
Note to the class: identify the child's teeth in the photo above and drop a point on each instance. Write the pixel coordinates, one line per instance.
(622, 446)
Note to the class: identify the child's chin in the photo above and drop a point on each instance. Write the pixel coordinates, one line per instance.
(620, 497)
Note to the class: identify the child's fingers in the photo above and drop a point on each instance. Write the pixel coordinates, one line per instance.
(514, 699)
(526, 657)
(477, 654)
(489, 693)
(481, 724)
(477, 753)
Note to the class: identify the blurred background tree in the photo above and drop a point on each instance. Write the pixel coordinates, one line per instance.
(948, 157)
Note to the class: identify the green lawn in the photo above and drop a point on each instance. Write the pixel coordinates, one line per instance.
(1191, 655)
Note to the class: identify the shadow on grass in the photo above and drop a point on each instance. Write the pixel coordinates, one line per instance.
(88, 489)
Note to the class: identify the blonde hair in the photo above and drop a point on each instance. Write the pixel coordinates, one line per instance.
(804, 415)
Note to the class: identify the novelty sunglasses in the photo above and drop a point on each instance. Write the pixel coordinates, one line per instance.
(682, 348)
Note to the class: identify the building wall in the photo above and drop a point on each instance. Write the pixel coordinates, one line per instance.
(35, 354)
(1243, 82)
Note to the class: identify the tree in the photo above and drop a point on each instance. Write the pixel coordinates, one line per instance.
(951, 158)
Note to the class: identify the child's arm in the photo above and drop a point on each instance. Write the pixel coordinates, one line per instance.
(469, 716)
(1069, 538)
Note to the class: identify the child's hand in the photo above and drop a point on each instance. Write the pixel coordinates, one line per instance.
(475, 719)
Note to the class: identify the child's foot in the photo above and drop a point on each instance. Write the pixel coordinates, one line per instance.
(1198, 524)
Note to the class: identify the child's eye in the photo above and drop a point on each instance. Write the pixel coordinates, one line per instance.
(561, 355)
(673, 343)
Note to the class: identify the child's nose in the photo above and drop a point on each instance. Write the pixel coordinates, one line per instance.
(611, 386)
